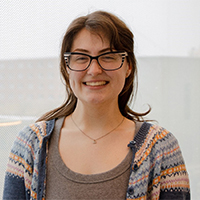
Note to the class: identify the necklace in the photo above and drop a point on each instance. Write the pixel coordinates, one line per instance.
(95, 140)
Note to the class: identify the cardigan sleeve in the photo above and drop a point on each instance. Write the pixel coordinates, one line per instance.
(18, 175)
(174, 180)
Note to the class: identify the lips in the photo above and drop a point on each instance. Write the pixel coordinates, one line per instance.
(95, 83)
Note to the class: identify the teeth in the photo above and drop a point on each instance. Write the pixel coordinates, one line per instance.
(96, 83)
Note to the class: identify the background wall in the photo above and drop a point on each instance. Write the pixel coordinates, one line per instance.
(167, 47)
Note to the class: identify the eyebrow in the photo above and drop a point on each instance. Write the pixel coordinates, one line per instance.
(86, 51)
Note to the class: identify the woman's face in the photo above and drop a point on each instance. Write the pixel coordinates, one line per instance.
(95, 85)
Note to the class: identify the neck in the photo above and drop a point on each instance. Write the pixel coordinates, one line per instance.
(92, 118)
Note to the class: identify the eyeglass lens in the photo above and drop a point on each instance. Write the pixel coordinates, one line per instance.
(110, 61)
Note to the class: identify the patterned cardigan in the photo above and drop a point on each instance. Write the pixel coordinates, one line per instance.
(157, 170)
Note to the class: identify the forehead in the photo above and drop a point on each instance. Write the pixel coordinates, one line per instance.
(90, 41)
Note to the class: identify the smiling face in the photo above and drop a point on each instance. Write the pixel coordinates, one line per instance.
(95, 85)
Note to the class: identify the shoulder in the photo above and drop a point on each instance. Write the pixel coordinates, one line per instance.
(154, 139)
(34, 134)
(40, 129)
(153, 133)
(161, 136)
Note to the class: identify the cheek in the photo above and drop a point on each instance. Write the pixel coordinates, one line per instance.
(73, 85)
(120, 79)
(72, 80)
(75, 80)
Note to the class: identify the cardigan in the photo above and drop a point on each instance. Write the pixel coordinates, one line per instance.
(157, 170)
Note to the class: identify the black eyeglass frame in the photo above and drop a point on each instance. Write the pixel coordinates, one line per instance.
(67, 54)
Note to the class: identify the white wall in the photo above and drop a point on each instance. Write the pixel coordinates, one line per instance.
(34, 28)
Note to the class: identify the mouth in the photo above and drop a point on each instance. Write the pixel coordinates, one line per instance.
(96, 83)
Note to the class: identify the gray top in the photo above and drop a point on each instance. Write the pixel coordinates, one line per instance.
(63, 183)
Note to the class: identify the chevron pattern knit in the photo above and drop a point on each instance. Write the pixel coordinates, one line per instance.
(158, 170)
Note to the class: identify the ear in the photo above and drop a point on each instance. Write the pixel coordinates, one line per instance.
(68, 71)
(129, 69)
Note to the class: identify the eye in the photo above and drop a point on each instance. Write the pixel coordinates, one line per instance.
(79, 58)
(108, 57)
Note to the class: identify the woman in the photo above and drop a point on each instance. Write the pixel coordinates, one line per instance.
(94, 146)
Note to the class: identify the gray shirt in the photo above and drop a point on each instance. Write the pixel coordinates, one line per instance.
(63, 183)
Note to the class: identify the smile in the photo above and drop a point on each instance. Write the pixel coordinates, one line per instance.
(96, 83)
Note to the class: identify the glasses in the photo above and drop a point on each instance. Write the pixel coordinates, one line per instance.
(108, 61)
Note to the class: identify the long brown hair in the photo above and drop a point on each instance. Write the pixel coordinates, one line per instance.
(121, 38)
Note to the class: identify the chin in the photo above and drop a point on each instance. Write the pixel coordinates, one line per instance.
(96, 101)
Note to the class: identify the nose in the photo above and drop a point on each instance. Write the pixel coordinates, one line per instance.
(94, 68)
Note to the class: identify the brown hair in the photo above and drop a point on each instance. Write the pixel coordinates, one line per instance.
(121, 38)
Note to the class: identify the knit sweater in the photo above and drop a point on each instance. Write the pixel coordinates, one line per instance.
(157, 170)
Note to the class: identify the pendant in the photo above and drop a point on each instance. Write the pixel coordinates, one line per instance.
(94, 141)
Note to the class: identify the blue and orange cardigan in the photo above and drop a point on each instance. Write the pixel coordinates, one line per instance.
(157, 171)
